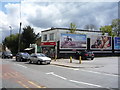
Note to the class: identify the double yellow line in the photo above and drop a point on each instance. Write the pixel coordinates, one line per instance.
(30, 82)
(18, 78)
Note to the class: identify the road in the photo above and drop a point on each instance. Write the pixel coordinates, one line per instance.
(24, 75)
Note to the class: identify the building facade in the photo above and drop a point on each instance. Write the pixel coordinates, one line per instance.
(51, 41)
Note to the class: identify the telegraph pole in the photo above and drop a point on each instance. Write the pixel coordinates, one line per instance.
(19, 37)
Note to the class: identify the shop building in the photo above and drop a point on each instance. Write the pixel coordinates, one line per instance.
(51, 41)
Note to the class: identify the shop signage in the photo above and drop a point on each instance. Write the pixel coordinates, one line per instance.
(48, 43)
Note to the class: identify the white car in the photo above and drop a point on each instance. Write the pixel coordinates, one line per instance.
(39, 58)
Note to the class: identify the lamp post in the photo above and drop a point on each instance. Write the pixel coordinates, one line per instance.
(19, 37)
(10, 30)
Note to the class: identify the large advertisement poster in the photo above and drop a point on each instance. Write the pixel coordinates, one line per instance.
(117, 43)
(73, 41)
(101, 42)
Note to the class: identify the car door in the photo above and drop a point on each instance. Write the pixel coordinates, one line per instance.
(32, 57)
(35, 58)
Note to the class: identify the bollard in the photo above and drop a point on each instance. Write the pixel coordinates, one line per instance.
(55, 57)
(70, 59)
(80, 61)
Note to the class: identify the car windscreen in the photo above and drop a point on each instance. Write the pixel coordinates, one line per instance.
(7, 52)
(41, 55)
(25, 54)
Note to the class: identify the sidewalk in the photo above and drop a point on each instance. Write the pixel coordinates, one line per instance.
(75, 63)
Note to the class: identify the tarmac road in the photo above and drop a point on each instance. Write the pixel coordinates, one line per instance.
(25, 75)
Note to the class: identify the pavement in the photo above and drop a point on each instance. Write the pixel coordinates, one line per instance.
(76, 63)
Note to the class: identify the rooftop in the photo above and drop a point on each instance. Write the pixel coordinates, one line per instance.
(69, 29)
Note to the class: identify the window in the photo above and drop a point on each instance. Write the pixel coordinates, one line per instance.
(52, 36)
(45, 37)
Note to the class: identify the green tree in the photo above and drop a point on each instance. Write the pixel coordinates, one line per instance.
(28, 37)
(113, 29)
(11, 42)
(107, 29)
(116, 26)
(72, 28)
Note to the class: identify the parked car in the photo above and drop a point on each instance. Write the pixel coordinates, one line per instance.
(85, 55)
(7, 54)
(39, 58)
(22, 56)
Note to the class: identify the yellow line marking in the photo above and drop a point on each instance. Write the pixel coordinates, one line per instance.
(17, 75)
(11, 75)
(22, 84)
(36, 84)
(5, 74)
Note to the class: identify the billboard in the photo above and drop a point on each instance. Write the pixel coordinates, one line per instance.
(117, 43)
(73, 41)
(101, 42)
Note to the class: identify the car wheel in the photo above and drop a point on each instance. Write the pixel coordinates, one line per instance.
(48, 63)
(30, 61)
(92, 58)
(38, 62)
(16, 59)
(21, 60)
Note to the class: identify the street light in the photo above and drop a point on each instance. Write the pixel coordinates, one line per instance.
(19, 37)
(10, 30)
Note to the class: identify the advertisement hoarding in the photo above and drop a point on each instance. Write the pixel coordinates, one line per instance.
(117, 43)
(73, 41)
(101, 42)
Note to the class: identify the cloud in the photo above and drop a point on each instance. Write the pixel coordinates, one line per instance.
(43, 15)
(61, 14)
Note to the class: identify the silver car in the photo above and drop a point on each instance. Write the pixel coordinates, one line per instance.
(39, 58)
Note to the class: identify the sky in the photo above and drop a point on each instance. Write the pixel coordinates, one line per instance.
(44, 14)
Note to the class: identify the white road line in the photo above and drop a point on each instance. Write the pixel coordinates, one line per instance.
(20, 65)
(76, 69)
(85, 83)
(102, 73)
(69, 68)
(99, 73)
(52, 73)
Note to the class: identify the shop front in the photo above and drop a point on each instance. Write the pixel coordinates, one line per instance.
(49, 49)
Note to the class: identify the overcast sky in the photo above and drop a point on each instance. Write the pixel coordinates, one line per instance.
(43, 15)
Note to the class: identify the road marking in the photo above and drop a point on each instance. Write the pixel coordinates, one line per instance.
(69, 68)
(22, 84)
(36, 84)
(21, 65)
(99, 73)
(76, 69)
(85, 83)
(52, 73)
(9, 74)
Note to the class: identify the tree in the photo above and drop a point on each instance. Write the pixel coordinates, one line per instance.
(107, 29)
(72, 28)
(90, 27)
(113, 29)
(116, 26)
(11, 42)
(28, 37)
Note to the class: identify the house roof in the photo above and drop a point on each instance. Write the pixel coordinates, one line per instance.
(69, 29)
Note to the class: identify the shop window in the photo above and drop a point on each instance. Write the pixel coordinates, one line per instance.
(45, 37)
(52, 36)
